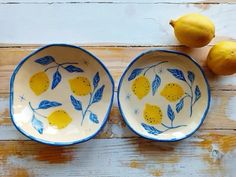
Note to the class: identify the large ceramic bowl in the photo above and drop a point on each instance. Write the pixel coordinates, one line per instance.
(60, 95)
(163, 95)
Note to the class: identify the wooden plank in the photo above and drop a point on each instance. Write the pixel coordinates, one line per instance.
(222, 115)
(209, 153)
(99, 23)
(116, 59)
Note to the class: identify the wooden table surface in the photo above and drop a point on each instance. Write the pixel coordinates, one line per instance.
(116, 31)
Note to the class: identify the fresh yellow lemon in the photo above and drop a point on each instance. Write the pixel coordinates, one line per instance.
(39, 83)
(194, 30)
(152, 114)
(59, 119)
(222, 58)
(172, 92)
(141, 86)
(80, 86)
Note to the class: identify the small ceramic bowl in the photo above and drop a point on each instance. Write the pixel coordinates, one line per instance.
(163, 95)
(60, 95)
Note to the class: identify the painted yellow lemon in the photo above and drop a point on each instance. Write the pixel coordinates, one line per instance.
(141, 86)
(222, 58)
(194, 30)
(39, 83)
(59, 119)
(80, 86)
(152, 114)
(172, 92)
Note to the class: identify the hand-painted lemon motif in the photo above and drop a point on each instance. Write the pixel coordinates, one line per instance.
(172, 92)
(59, 118)
(152, 114)
(141, 86)
(80, 86)
(39, 83)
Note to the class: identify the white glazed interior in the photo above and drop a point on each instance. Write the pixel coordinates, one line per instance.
(130, 104)
(74, 132)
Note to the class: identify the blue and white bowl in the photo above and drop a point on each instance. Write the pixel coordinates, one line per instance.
(60, 95)
(163, 95)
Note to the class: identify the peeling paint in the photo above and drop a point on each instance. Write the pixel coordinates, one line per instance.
(218, 147)
(230, 110)
(106, 132)
(216, 154)
(4, 103)
(156, 173)
(117, 130)
(115, 117)
(213, 168)
(227, 80)
(215, 102)
(164, 152)
(53, 155)
(5, 118)
(18, 172)
(136, 164)
(4, 112)
(215, 162)
(225, 143)
(49, 154)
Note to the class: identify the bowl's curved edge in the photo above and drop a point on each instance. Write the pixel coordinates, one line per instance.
(173, 52)
(16, 69)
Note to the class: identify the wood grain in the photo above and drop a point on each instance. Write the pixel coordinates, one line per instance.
(208, 153)
(136, 24)
(116, 31)
(220, 117)
(116, 59)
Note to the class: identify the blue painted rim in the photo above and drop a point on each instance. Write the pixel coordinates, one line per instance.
(17, 68)
(120, 85)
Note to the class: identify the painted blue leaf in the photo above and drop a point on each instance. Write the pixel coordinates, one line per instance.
(177, 73)
(37, 124)
(191, 76)
(56, 79)
(155, 84)
(45, 104)
(45, 60)
(170, 113)
(135, 73)
(179, 105)
(72, 69)
(197, 93)
(98, 94)
(93, 117)
(96, 80)
(151, 129)
(76, 103)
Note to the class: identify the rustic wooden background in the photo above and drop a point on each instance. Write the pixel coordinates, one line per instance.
(116, 31)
